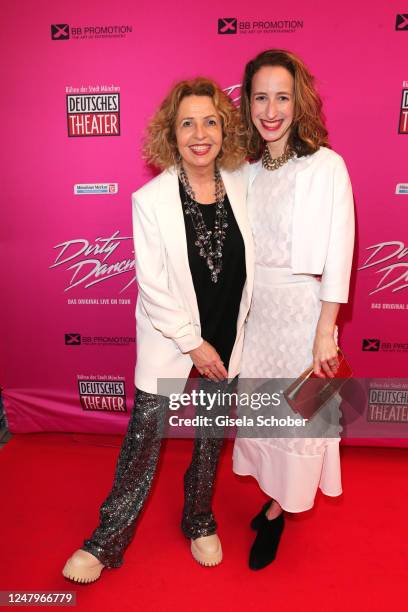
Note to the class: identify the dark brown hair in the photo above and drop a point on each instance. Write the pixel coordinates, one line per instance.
(308, 131)
(160, 147)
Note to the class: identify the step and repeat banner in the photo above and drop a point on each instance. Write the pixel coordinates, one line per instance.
(81, 81)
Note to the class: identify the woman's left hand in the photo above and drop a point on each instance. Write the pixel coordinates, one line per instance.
(325, 359)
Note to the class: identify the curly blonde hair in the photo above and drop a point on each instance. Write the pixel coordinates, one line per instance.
(308, 131)
(160, 145)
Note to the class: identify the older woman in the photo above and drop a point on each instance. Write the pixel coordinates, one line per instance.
(300, 206)
(194, 273)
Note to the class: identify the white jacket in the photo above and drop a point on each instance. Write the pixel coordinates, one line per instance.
(323, 223)
(167, 315)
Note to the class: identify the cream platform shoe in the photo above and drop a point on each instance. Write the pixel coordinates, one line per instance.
(82, 567)
(207, 550)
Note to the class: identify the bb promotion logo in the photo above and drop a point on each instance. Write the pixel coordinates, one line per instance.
(75, 339)
(233, 25)
(371, 344)
(72, 339)
(93, 115)
(401, 23)
(374, 345)
(63, 31)
(60, 31)
(227, 25)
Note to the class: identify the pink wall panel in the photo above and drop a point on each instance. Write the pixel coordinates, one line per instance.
(55, 244)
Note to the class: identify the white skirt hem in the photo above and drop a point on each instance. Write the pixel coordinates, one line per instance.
(291, 479)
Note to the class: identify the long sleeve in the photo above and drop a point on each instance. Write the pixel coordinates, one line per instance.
(165, 312)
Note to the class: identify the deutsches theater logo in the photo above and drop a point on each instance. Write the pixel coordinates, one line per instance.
(403, 122)
(93, 114)
(387, 405)
(106, 395)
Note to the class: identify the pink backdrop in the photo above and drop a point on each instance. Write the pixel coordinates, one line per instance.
(67, 260)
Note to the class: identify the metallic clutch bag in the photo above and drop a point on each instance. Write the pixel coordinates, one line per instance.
(308, 393)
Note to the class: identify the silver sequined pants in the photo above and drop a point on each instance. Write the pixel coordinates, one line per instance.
(134, 475)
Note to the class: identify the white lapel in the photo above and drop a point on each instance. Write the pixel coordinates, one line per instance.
(171, 220)
(236, 190)
(253, 171)
(236, 185)
(302, 210)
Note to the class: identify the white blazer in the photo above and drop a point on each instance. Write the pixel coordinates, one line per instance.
(323, 223)
(167, 315)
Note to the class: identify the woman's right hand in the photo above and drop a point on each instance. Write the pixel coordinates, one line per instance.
(208, 362)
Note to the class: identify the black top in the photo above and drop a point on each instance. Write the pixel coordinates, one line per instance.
(218, 303)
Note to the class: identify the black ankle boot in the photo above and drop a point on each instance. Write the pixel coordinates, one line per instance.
(257, 520)
(266, 543)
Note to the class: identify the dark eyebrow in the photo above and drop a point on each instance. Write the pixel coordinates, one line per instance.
(207, 117)
(278, 93)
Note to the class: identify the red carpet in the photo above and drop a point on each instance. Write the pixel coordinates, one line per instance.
(348, 553)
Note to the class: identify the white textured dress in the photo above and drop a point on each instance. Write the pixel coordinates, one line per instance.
(278, 344)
